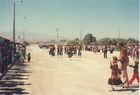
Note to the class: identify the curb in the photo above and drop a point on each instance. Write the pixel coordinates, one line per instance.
(5, 72)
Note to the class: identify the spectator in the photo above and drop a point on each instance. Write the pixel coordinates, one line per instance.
(123, 58)
(29, 57)
(114, 79)
(105, 51)
(136, 73)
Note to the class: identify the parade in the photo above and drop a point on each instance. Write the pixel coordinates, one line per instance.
(70, 53)
(60, 50)
(69, 47)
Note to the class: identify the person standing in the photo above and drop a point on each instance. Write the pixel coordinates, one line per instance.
(133, 51)
(114, 79)
(124, 60)
(29, 57)
(105, 51)
(136, 72)
(137, 53)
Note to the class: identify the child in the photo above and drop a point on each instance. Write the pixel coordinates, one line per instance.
(29, 57)
(16, 56)
(114, 79)
(136, 73)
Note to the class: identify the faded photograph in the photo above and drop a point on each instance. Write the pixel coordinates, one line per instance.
(69, 47)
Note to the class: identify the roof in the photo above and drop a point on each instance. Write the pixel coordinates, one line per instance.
(2, 36)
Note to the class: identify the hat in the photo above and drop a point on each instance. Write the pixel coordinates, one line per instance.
(136, 60)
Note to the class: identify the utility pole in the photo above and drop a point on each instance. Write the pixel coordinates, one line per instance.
(14, 23)
(119, 33)
(80, 38)
(57, 33)
(24, 31)
(23, 35)
(14, 13)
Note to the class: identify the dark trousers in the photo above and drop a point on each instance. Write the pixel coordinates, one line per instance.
(105, 54)
(29, 59)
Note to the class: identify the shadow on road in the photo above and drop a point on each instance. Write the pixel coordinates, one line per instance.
(132, 88)
(13, 82)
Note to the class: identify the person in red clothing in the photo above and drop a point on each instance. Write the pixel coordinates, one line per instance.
(136, 73)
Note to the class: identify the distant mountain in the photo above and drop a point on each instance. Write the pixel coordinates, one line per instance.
(30, 36)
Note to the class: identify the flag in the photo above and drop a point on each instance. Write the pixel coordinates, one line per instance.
(19, 37)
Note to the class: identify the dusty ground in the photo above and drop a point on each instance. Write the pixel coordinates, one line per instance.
(46, 75)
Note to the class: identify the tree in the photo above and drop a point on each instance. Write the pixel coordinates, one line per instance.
(105, 41)
(131, 40)
(77, 39)
(114, 42)
(121, 40)
(63, 40)
(89, 39)
(74, 42)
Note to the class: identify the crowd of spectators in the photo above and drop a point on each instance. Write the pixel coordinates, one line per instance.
(100, 48)
(132, 50)
(8, 54)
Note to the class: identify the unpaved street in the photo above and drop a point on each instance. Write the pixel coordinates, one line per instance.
(46, 75)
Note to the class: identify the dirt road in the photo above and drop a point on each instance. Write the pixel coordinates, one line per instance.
(46, 75)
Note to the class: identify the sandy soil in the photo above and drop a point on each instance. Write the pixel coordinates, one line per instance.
(46, 75)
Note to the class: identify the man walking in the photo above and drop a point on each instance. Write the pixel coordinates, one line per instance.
(123, 58)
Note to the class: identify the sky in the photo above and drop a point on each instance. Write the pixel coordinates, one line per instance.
(101, 18)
